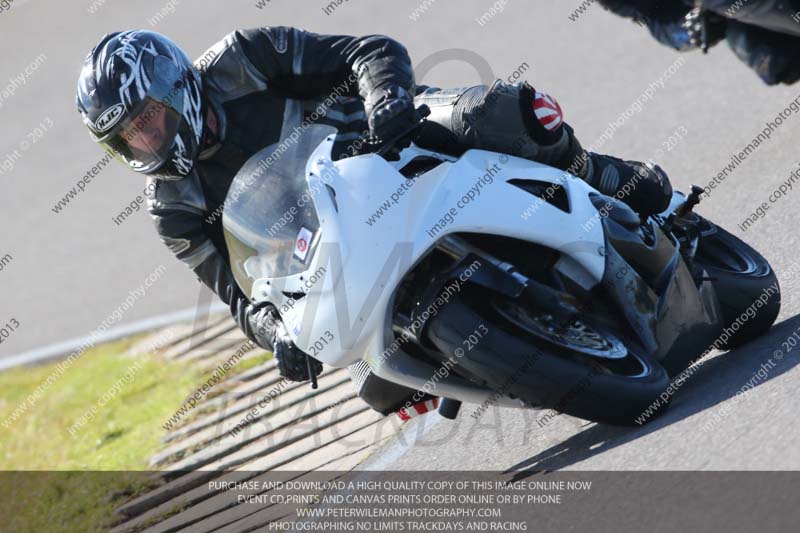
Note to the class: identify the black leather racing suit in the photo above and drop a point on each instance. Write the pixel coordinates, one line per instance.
(263, 83)
(764, 34)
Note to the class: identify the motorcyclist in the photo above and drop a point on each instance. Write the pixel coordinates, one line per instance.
(190, 128)
(764, 34)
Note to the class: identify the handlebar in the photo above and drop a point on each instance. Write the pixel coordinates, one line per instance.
(423, 111)
(386, 148)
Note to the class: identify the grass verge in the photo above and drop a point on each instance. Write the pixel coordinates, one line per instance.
(88, 437)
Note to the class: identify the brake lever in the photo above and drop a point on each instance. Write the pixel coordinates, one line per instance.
(311, 373)
(386, 150)
(683, 210)
(691, 201)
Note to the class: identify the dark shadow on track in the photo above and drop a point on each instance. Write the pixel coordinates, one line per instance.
(715, 381)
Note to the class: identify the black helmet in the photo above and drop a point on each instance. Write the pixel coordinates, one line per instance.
(140, 97)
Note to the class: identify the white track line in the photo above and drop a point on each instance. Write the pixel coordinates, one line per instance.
(59, 349)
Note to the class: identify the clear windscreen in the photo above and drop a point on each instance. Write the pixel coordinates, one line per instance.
(270, 221)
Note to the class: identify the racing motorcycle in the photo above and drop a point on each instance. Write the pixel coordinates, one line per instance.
(418, 270)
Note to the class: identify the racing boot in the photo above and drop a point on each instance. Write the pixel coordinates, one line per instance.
(644, 187)
(517, 119)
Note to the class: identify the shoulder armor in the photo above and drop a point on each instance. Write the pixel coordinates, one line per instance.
(227, 70)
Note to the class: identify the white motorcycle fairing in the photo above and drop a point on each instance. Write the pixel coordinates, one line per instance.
(339, 309)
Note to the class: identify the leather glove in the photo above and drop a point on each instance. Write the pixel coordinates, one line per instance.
(292, 363)
(704, 28)
(258, 321)
(390, 112)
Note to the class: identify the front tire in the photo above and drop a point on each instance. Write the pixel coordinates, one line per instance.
(741, 277)
(518, 365)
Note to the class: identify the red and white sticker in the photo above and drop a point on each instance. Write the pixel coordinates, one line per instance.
(547, 111)
(302, 244)
(420, 408)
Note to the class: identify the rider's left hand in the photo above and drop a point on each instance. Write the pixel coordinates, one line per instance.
(704, 28)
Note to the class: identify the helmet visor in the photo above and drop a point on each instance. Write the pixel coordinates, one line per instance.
(143, 140)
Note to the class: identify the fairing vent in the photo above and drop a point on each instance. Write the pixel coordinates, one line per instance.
(552, 193)
(420, 165)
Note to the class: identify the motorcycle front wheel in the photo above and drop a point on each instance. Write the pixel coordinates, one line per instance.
(746, 286)
(582, 370)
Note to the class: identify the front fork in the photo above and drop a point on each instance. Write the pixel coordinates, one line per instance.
(497, 274)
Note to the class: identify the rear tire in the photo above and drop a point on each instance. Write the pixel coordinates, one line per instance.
(515, 364)
(740, 276)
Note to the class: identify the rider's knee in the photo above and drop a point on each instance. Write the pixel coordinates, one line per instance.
(509, 118)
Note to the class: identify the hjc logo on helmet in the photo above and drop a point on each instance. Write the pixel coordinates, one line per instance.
(110, 117)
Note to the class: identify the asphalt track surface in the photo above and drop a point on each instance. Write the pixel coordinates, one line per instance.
(69, 271)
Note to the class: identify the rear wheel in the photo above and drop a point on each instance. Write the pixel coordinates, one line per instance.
(744, 282)
(578, 369)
